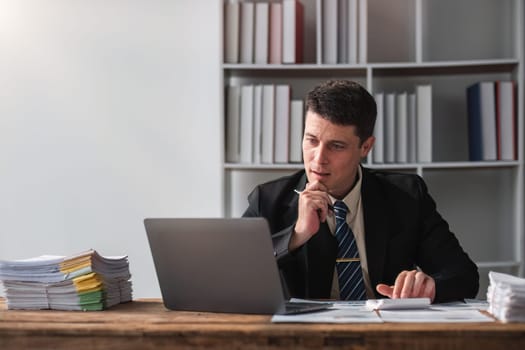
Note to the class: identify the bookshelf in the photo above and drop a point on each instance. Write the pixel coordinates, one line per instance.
(449, 44)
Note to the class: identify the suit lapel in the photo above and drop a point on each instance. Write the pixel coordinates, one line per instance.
(376, 220)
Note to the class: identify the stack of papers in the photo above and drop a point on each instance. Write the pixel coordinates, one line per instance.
(86, 281)
(506, 297)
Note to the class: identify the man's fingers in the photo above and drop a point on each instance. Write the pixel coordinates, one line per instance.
(419, 284)
(385, 290)
(430, 289)
(398, 285)
(408, 284)
(316, 201)
(316, 186)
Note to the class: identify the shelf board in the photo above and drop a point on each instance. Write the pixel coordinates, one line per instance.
(436, 165)
(386, 68)
(300, 66)
(489, 264)
(447, 165)
(250, 166)
(437, 64)
(446, 67)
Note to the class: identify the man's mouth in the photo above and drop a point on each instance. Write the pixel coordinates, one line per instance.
(319, 173)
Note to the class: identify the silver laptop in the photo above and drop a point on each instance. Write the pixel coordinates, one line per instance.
(218, 265)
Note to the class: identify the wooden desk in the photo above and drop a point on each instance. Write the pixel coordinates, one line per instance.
(146, 324)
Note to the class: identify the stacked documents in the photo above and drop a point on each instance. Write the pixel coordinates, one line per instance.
(86, 281)
(506, 297)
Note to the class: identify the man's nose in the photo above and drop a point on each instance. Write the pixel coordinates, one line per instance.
(320, 154)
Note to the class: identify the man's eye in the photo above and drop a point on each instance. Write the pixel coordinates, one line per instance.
(311, 141)
(337, 146)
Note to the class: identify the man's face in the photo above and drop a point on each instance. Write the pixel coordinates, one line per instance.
(332, 153)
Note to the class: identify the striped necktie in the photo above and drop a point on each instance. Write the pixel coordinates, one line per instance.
(351, 284)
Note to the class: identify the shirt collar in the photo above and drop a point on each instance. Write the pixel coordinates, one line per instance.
(352, 198)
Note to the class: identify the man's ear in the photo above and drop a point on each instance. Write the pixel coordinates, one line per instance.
(367, 145)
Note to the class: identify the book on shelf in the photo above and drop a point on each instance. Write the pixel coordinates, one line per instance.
(267, 124)
(86, 281)
(246, 126)
(247, 28)
(401, 128)
(390, 127)
(342, 31)
(338, 35)
(231, 31)
(506, 142)
(282, 123)
(318, 31)
(481, 121)
(347, 31)
(424, 123)
(276, 33)
(233, 112)
(296, 130)
(257, 123)
(363, 31)
(330, 29)
(378, 148)
(353, 25)
(411, 128)
(293, 31)
(262, 17)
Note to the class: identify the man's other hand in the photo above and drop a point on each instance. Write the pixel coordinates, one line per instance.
(410, 284)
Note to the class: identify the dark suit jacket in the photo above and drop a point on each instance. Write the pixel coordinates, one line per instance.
(402, 230)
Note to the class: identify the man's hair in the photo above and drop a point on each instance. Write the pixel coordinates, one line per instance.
(344, 102)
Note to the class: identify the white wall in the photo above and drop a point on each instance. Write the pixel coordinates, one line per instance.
(109, 113)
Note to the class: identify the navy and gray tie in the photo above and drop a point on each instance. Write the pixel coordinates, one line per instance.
(351, 284)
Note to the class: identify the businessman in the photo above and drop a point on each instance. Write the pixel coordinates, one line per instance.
(342, 231)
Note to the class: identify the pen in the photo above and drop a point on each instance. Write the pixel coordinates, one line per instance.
(331, 207)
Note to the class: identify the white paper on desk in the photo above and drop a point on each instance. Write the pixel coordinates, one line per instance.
(434, 315)
(398, 304)
(337, 304)
(468, 304)
(345, 315)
